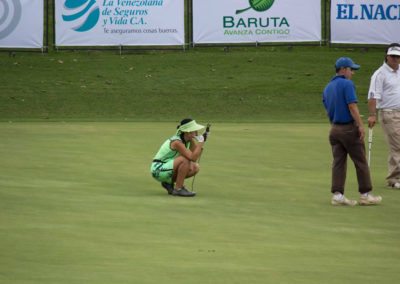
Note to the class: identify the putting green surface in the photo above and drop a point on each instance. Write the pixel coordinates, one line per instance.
(78, 205)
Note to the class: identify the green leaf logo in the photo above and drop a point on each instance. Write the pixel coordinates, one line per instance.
(258, 5)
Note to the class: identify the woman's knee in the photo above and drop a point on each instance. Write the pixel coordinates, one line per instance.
(194, 168)
(182, 162)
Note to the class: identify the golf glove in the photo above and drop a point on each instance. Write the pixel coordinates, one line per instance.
(200, 138)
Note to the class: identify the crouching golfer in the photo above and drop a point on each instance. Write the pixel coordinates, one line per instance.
(347, 135)
(177, 158)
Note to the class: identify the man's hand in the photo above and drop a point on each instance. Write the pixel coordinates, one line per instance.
(371, 121)
(361, 131)
(372, 112)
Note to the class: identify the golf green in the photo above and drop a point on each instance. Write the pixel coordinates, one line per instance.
(78, 205)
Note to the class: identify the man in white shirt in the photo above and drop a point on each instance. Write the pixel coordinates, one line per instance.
(384, 95)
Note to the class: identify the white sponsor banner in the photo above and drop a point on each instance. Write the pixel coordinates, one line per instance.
(244, 21)
(365, 21)
(119, 22)
(21, 23)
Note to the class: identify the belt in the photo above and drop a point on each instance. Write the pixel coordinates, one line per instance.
(343, 123)
(389, 109)
(158, 161)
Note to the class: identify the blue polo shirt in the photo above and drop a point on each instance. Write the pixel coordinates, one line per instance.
(338, 94)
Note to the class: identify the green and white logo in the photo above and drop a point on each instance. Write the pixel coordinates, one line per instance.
(258, 5)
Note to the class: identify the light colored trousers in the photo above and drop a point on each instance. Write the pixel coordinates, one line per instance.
(390, 121)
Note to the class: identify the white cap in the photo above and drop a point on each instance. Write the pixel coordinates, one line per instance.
(394, 50)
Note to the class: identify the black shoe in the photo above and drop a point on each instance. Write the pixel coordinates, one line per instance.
(183, 192)
(169, 187)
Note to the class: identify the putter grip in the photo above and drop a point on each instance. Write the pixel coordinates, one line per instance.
(370, 135)
(207, 132)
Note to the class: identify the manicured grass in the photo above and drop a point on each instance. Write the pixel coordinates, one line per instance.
(243, 85)
(78, 206)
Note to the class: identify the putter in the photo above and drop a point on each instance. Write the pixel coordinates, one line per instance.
(370, 135)
(207, 132)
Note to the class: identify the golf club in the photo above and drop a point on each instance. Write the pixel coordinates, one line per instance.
(370, 135)
(206, 134)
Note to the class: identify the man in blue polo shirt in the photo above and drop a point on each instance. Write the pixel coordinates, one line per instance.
(347, 135)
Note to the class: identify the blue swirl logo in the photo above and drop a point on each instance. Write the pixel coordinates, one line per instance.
(85, 11)
(10, 15)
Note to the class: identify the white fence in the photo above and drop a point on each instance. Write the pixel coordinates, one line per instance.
(162, 22)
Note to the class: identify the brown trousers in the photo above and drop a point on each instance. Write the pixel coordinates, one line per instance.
(345, 140)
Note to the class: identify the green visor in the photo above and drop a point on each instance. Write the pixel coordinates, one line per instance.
(190, 127)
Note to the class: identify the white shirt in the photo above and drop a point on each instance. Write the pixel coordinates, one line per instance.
(385, 88)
